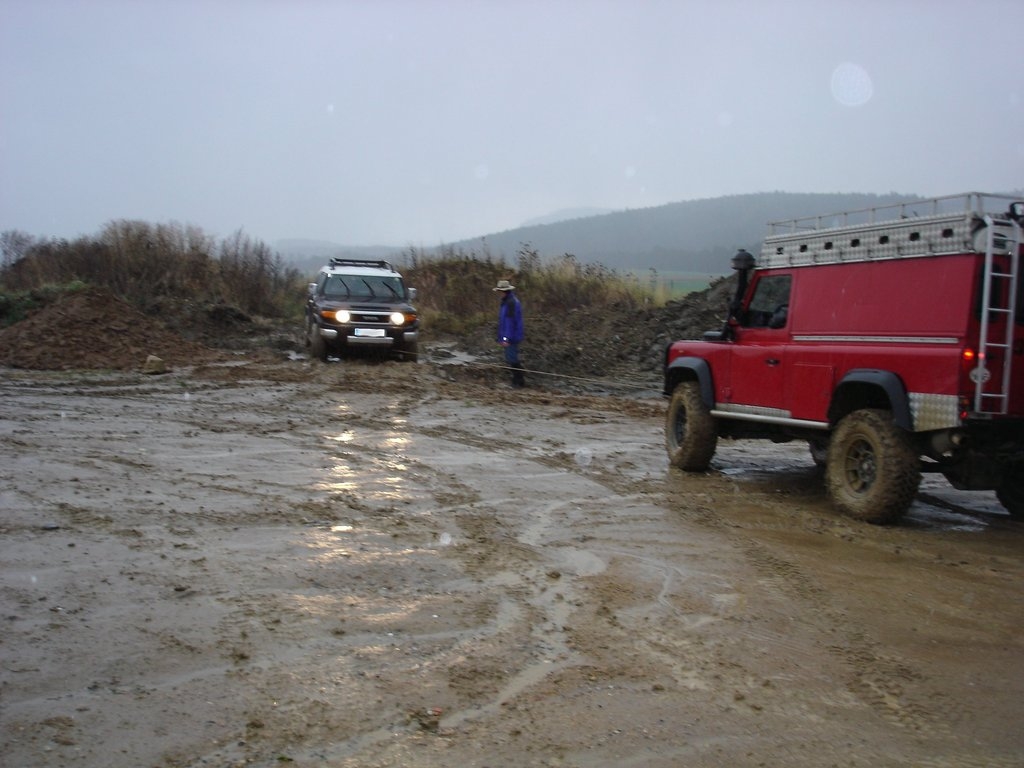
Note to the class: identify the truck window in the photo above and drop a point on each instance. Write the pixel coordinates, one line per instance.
(769, 305)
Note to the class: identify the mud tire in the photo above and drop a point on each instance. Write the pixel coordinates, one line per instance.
(317, 345)
(1011, 491)
(872, 471)
(409, 353)
(690, 434)
(819, 451)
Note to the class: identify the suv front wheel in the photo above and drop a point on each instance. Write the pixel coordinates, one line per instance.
(690, 434)
(409, 352)
(315, 342)
(872, 471)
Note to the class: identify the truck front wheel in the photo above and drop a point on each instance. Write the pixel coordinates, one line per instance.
(1011, 490)
(690, 434)
(872, 471)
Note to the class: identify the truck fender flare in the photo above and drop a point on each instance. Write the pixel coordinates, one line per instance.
(890, 384)
(701, 372)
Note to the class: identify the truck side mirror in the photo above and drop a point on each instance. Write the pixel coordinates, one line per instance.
(412, 294)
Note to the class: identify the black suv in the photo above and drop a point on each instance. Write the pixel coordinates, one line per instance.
(361, 303)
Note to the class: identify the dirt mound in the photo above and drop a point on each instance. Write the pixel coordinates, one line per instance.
(93, 329)
(612, 343)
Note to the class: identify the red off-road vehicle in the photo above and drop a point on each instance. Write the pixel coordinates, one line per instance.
(890, 339)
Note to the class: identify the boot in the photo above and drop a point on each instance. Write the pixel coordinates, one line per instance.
(518, 379)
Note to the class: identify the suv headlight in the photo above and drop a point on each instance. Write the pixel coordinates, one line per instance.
(343, 315)
(397, 318)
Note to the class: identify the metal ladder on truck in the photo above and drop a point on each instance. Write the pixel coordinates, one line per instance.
(997, 402)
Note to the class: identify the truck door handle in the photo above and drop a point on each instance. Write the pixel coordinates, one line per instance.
(771, 361)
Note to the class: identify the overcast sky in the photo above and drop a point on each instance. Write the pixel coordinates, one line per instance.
(420, 122)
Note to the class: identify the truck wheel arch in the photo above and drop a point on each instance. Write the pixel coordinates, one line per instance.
(691, 369)
(871, 388)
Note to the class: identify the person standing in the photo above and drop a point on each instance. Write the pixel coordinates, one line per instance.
(510, 330)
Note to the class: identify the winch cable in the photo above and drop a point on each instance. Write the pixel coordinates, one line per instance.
(606, 383)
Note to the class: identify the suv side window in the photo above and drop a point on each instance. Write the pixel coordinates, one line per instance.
(770, 303)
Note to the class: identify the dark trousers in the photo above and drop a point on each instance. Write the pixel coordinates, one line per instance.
(512, 360)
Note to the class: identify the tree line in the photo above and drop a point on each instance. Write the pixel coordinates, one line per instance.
(146, 263)
(161, 267)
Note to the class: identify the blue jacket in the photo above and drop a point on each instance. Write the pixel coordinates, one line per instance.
(510, 319)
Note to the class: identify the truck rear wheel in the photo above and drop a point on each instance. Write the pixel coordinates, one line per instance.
(872, 471)
(1011, 491)
(690, 434)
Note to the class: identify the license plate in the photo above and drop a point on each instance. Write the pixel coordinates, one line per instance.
(370, 333)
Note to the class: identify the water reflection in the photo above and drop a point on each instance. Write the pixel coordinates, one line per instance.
(341, 478)
(366, 477)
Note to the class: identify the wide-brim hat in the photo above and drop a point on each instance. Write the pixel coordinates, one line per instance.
(504, 285)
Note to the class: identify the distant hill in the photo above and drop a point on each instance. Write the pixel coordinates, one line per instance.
(310, 255)
(695, 236)
(566, 214)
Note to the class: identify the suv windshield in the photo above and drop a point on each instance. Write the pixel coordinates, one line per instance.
(363, 287)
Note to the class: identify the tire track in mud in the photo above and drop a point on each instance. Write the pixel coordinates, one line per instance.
(530, 566)
(880, 680)
(493, 550)
(968, 761)
(523, 581)
(625, 490)
(484, 542)
(887, 684)
(587, 623)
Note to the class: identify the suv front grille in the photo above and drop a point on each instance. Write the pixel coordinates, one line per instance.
(369, 317)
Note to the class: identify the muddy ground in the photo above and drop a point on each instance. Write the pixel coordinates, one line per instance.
(268, 561)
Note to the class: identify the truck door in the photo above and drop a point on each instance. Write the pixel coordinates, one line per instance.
(758, 357)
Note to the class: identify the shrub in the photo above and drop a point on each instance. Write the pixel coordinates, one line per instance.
(455, 288)
(148, 264)
(17, 305)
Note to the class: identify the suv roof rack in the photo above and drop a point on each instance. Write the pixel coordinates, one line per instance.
(378, 263)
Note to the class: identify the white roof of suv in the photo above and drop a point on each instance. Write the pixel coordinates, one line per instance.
(360, 267)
